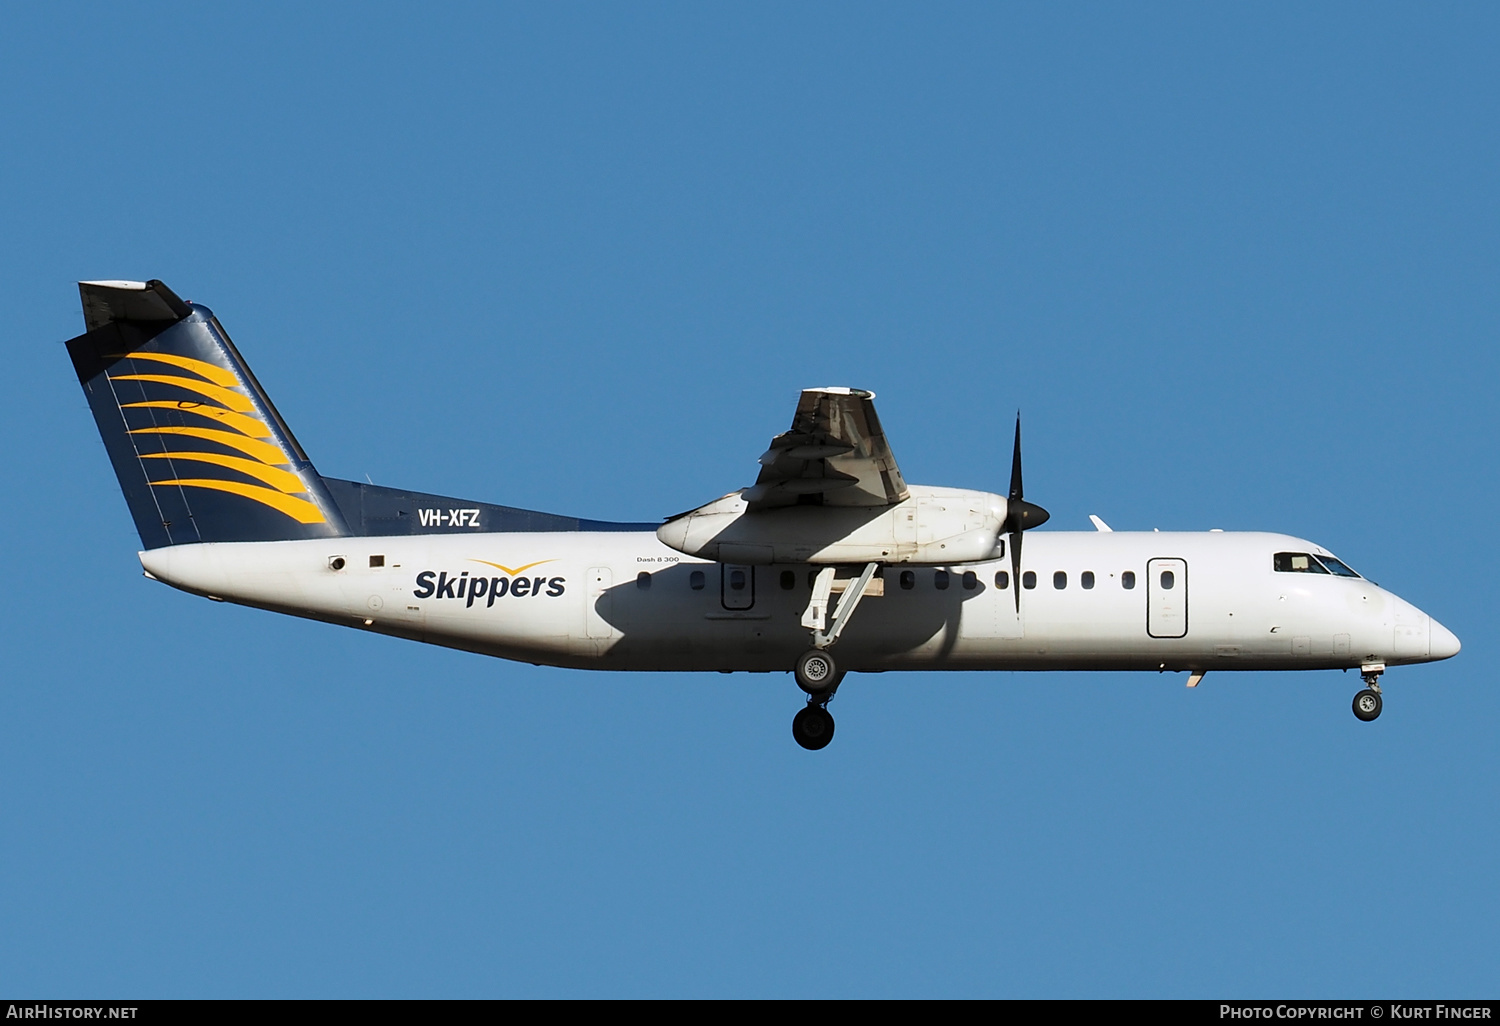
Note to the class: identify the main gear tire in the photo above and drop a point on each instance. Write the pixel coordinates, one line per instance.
(1367, 704)
(813, 728)
(817, 673)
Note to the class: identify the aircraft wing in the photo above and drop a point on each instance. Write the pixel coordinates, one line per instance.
(834, 455)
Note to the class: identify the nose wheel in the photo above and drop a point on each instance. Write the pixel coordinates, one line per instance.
(1367, 705)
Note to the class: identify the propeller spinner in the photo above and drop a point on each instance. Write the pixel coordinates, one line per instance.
(1020, 515)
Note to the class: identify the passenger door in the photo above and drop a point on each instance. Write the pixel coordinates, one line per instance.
(1166, 598)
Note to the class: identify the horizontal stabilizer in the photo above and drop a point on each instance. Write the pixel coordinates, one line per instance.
(137, 302)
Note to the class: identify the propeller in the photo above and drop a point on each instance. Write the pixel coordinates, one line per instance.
(1019, 515)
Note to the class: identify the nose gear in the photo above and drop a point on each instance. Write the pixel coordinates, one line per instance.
(1367, 704)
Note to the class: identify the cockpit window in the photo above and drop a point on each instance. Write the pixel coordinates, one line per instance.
(1298, 563)
(1337, 567)
(1307, 563)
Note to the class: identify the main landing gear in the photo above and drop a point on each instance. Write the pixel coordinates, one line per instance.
(819, 676)
(816, 671)
(1367, 703)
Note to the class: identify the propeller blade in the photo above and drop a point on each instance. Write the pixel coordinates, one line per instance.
(1015, 568)
(1020, 515)
(1015, 462)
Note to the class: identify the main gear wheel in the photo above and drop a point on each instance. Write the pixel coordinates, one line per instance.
(817, 673)
(813, 728)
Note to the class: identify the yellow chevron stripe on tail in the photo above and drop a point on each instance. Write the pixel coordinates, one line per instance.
(222, 396)
(265, 452)
(241, 422)
(218, 375)
(281, 480)
(299, 510)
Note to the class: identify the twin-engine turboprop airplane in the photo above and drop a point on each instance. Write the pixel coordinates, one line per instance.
(830, 562)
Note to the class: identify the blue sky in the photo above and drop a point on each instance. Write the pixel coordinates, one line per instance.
(1237, 265)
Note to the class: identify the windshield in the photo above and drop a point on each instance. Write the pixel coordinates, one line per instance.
(1298, 563)
(1307, 563)
(1336, 566)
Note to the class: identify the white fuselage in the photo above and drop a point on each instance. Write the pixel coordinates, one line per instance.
(578, 599)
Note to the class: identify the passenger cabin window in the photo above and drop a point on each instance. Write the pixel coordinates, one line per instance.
(1060, 580)
(695, 580)
(643, 580)
(737, 580)
(788, 580)
(1086, 579)
(1168, 580)
(971, 580)
(1028, 580)
(908, 580)
(1127, 580)
(940, 580)
(1002, 580)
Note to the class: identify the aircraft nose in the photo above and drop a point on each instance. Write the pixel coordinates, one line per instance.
(1441, 642)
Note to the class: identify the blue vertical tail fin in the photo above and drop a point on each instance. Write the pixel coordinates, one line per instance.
(200, 452)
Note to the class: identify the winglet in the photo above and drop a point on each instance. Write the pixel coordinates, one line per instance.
(1100, 525)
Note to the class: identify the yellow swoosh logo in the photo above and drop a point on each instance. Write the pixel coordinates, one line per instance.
(517, 570)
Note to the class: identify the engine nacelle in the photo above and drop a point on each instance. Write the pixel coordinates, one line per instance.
(932, 526)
